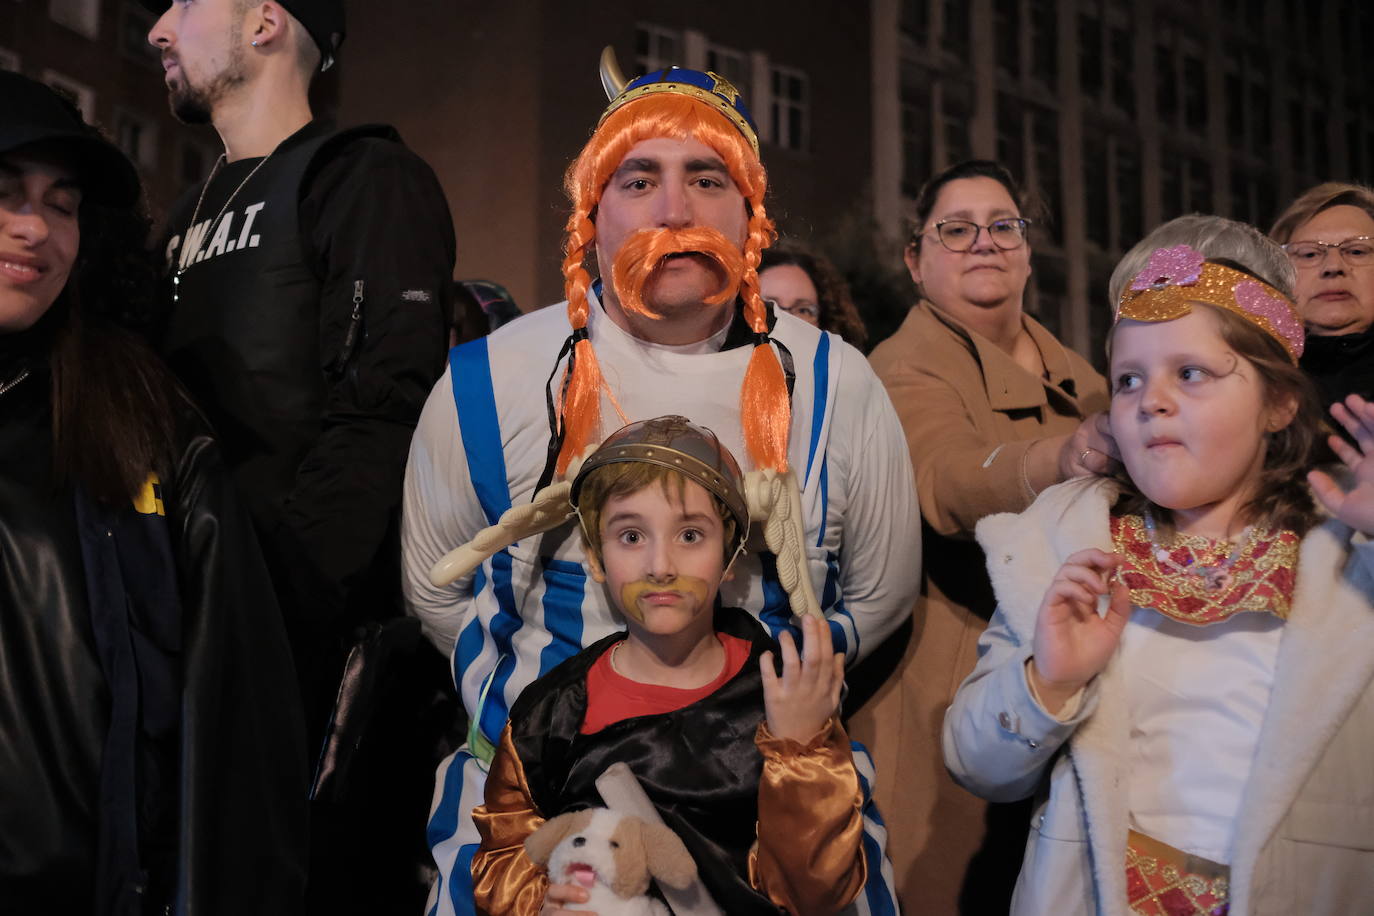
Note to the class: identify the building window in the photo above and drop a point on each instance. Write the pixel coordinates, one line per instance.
(1011, 136)
(1044, 25)
(1100, 309)
(1129, 214)
(915, 19)
(1187, 185)
(956, 109)
(1166, 85)
(1114, 209)
(9, 60)
(137, 137)
(1097, 188)
(1298, 122)
(81, 95)
(1194, 93)
(1123, 69)
(916, 134)
(1051, 285)
(1007, 35)
(135, 23)
(656, 48)
(729, 63)
(79, 15)
(1252, 196)
(1321, 149)
(1045, 141)
(1089, 54)
(955, 36)
(790, 107)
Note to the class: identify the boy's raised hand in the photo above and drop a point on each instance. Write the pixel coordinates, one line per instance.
(1355, 508)
(1072, 643)
(807, 693)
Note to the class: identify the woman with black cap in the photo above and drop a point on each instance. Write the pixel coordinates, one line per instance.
(151, 745)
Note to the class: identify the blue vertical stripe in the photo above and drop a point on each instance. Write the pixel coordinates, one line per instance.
(825, 499)
(460, 880)
(565, 586)
(877, 892)
(820, 393)
(831, 598)
(475, 401)
(776, 613)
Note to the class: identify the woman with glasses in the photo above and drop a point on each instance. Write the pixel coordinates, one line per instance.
(801, 281)
(1328, 233)
(995, 410)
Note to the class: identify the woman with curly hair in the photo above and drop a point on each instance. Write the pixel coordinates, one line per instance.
(150, 733)
(802, 282)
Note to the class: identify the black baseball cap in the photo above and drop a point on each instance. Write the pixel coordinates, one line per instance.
(323, 19)
(32, 113)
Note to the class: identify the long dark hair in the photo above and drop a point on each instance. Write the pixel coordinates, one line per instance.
(116, 407)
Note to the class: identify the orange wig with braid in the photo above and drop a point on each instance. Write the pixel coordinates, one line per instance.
(765, 411)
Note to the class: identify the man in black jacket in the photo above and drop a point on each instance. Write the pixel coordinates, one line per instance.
(306, 280)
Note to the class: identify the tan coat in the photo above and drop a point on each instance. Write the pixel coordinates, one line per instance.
(969, 413)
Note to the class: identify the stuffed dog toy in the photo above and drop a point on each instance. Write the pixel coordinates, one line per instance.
(613, 856)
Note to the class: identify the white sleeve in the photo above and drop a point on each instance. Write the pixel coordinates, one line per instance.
(439, 511)
(880, 557)
(997, 738)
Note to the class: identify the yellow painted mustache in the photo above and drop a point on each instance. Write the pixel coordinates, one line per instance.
(631, 592)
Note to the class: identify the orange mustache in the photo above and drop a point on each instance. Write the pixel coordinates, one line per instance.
(631, 592)
(643, 253)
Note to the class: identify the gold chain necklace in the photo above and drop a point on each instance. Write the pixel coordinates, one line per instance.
(184, 261)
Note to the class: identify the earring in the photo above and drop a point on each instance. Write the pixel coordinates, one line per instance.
(255, 42)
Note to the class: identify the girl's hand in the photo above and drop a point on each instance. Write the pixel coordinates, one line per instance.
(1355, 508)
(558, 894)
(807, 694)
(1072, 643)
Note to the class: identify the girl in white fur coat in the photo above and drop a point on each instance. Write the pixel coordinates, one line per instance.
(1181, 667)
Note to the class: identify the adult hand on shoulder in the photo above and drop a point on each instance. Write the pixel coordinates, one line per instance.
(807, 693)
(1356, 507)
(558, 894)
(1090, 449)
(1072, 643)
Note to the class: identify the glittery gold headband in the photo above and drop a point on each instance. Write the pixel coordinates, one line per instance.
(1177, 277)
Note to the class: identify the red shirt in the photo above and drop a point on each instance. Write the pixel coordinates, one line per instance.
(611, 696)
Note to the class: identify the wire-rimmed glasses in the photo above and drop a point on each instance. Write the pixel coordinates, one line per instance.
(962, 234)
(1355, 252)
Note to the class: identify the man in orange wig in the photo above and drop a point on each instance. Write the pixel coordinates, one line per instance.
(668, 212)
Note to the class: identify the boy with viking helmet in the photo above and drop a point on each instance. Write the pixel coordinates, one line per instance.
(668, 201)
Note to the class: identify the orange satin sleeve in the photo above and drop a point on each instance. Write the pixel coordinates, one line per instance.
(504, 880)
(809, 855)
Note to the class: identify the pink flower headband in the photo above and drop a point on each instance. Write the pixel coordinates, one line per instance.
(1177, 277)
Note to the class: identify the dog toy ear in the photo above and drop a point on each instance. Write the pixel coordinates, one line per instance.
(541, 844)
(668, 859)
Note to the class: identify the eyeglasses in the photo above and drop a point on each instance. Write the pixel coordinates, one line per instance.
(1355, 252)
(962, 234)
(805, 312)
